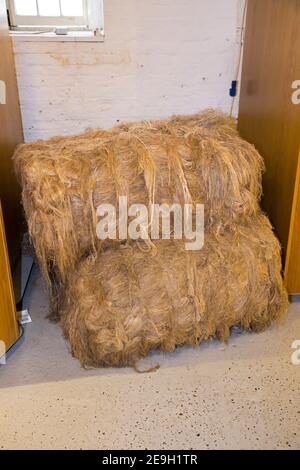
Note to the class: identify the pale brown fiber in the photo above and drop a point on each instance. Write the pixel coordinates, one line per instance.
(117, 300)
(197, 158)
(122, 303)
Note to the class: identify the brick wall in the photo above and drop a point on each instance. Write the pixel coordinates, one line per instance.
(159, 57)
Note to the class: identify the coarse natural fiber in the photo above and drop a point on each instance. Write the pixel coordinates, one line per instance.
(117, 300)
(189, 159)
(123, 302)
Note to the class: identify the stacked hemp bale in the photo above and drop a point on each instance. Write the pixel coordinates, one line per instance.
(117, 300)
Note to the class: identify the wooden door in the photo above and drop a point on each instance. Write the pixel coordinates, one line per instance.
(292, 265)
(10, 135)
(267, 116)
(9, 330)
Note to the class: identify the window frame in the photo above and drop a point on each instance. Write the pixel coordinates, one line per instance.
(50, 23)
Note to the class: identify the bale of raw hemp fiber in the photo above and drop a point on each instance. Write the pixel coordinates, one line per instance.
(184, 159)
(122, 303)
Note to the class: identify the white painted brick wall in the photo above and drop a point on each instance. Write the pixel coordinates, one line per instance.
(159, 57)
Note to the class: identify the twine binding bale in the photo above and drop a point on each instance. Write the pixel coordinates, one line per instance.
(198, 159)
(123, 302)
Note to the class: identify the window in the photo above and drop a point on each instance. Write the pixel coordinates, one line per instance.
(52, 14)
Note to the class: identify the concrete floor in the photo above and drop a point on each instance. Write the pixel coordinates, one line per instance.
(243, 395)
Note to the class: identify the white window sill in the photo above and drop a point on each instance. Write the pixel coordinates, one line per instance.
(72, 36)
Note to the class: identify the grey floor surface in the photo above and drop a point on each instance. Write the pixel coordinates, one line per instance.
(243, 395)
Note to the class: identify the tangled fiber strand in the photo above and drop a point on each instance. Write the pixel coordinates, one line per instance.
(122, 303)
(117, 300)
(194, 159)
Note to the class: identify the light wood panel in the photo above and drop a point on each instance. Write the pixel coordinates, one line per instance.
(292, 266)
(10, 135)
(9, 330)
(267, 116)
